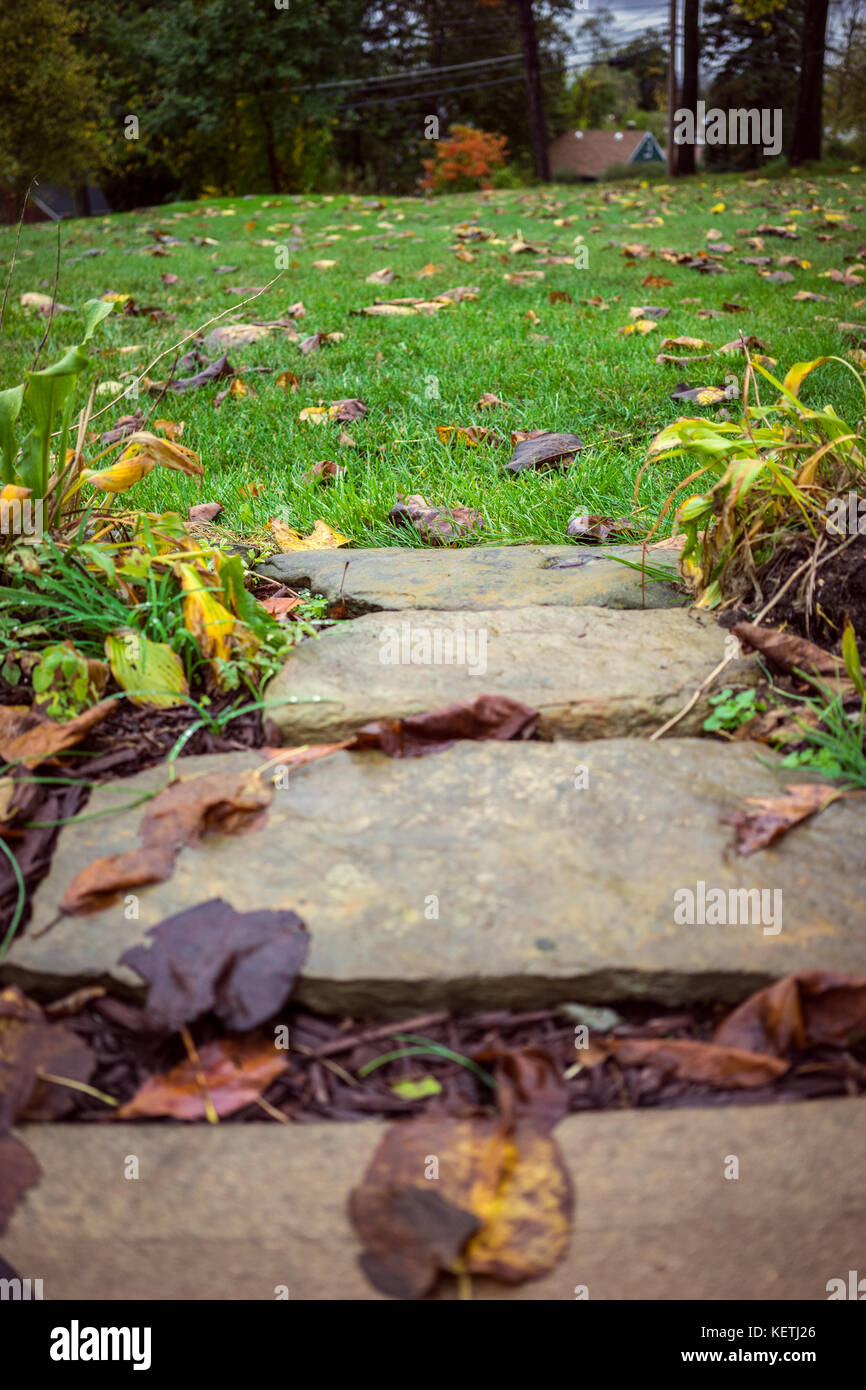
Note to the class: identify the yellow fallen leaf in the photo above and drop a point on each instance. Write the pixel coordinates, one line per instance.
(322, 537)
(696, 343)
(640, 326)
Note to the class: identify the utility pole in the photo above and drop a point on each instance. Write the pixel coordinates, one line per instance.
(534, 94)
(672, 87)
(687, 154)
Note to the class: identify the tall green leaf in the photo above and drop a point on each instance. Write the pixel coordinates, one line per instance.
(10, 409)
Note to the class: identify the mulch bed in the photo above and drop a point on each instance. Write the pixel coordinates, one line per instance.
(326, 1054)
(129, 740)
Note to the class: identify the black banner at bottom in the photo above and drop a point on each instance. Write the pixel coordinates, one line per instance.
(62, 1339)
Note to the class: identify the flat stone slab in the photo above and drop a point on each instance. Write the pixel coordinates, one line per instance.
(590, 672)
(484, 577)
(491, 875)
(235, 1211)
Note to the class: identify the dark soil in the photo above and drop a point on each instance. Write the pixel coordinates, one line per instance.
(326, 1054)
(819, 610)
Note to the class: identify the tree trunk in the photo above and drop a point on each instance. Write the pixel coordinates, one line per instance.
(534, 94)
(672, 149)
(808, 124)
(687, 154)
(274, 171)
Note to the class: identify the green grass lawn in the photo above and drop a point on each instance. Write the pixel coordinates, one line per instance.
(561, 366)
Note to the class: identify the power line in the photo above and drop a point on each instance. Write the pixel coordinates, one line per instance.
(493, 82)
(409, 76)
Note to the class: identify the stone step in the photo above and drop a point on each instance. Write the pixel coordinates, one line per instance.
(234, 1211)
(590, 672)
(491, 875)
(484, 577)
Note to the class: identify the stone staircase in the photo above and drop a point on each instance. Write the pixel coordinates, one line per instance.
(488, 875)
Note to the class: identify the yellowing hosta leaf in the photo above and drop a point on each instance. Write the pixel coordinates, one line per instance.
(798, 373)
(164, 453)
(322, 537)
(741, 475)
(695, 508)
(120, 477)
(10, 492)
(150, 672)
(851, 657)
(204, 616)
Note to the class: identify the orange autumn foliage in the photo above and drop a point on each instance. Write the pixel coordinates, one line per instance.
(464, 159)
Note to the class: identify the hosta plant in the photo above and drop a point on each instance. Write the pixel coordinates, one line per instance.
(772, 476)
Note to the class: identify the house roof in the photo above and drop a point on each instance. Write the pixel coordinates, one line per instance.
(591, 152)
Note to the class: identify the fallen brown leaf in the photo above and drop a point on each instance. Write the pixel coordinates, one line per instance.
(235, 1071)
(485, 717)
(241, 965)
(182, 814)
(28, 738)
(600, 528)
(698, 1061)
(436, 525)
(29, 1043)
(323, 472)
(487, 1213)
(788, 653)
(281, 605)
(542, 449)
(774, 815)
(468, 434)
(205, 511)
(802, 1010)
